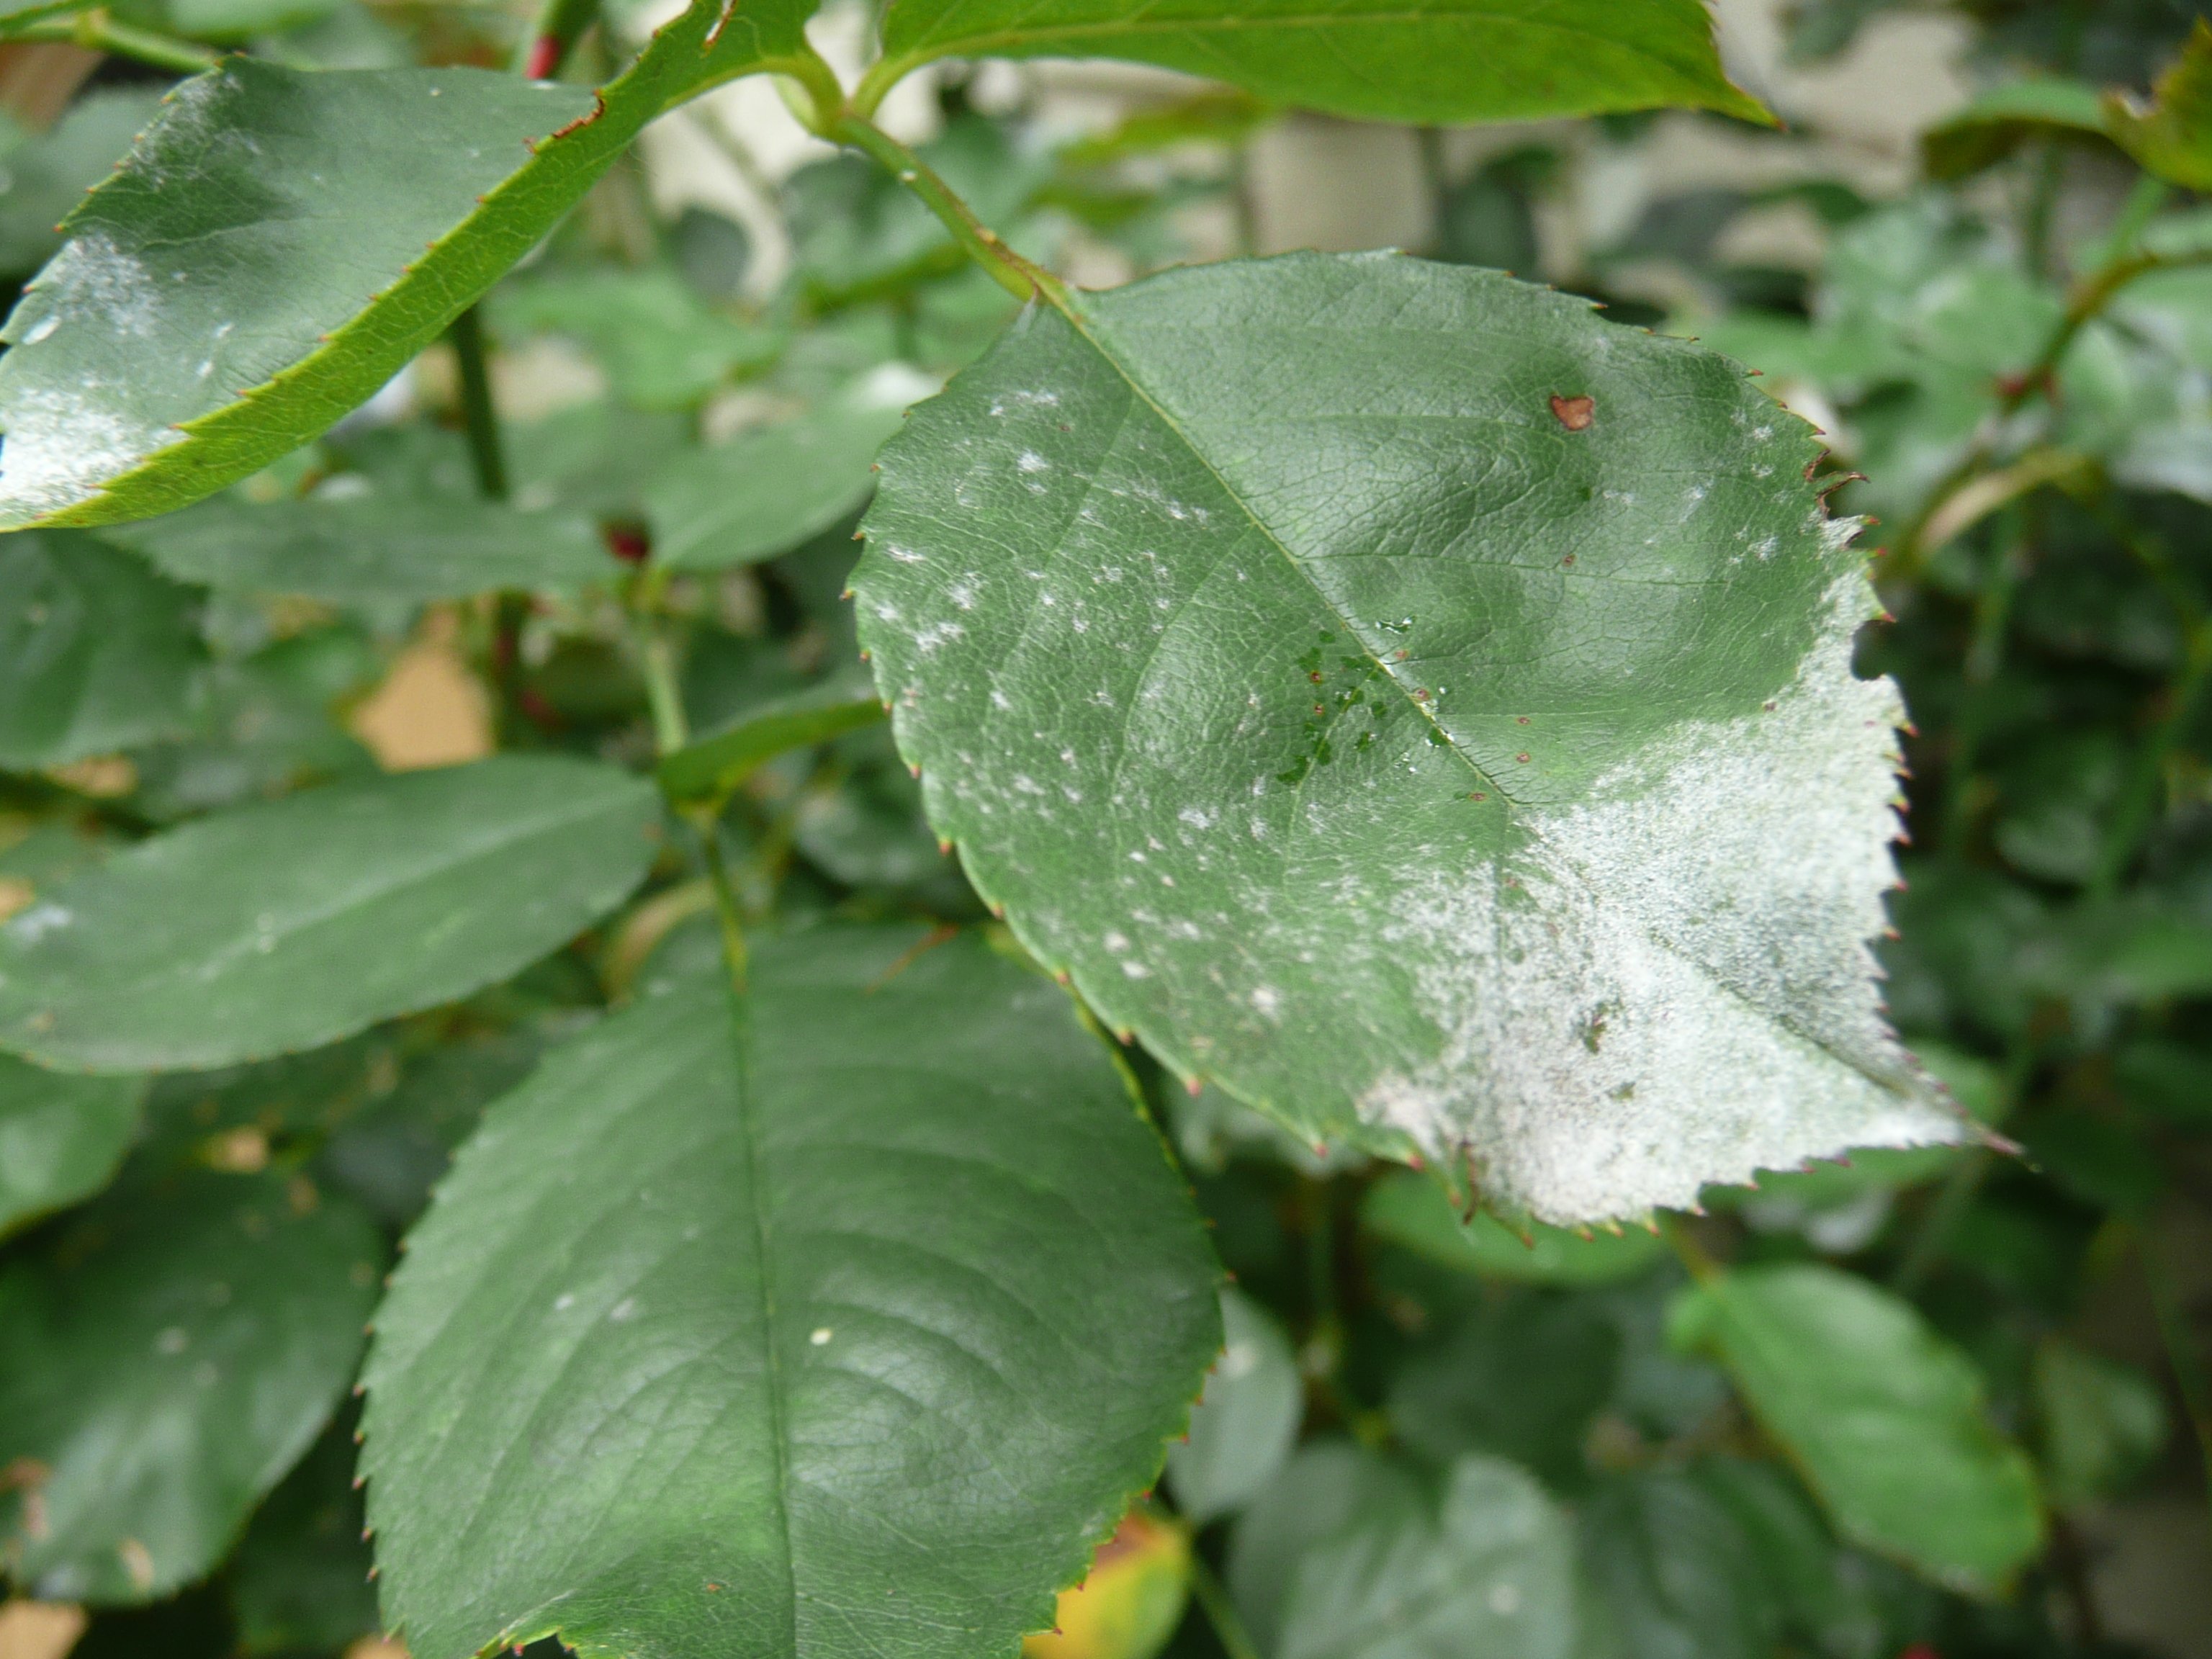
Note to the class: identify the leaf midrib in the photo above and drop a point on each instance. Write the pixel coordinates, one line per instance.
(1076, 321)
(738, 1007)
(1782, 1019)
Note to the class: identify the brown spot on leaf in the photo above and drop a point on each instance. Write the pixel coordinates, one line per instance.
(1574, 413)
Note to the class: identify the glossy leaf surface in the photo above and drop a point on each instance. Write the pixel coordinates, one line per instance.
(1433, 60)
(168, 1359)
(285, 925)
(372, 544)
(1883, 1417)
(855, 1332)
(61, 1136)
(1244, 1426)
(281, 241)
(97, 653)
(1419, 707)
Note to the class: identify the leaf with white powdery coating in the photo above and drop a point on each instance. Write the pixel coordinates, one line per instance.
(1429, 60)
(288, 925)
(845, 1319)
(280, 242)
(1419, 707)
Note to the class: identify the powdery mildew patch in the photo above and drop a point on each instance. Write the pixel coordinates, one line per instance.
(1672, 984)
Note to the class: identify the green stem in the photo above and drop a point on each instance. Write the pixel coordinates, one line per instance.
(97, 31)
(882, 76)
(2042, 198)
(1212, 1598)
(2181, 1355)
(1952, 1200)
(1984, 657)
(671, 731)
(2090, 298)
(1693, 1256)
(2139, 795)
(1013, 272)
(1325, 1332)
(559, 26)
(478, 414)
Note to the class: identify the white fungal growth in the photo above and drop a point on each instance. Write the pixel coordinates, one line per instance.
(95, 282)
(60, 446)
(1671, 984)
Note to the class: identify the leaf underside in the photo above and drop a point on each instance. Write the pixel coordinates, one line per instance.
(851, 1317)
(1418, 706)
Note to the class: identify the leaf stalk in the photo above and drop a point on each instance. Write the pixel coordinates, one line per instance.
(96, 31)
(1944, 513)
(479, 415)
(1018, 276)
(1212, 1598)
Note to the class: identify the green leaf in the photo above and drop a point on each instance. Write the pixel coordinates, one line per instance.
(394, 1153)
(767, 492)
(709, 768)
(61, 1136)
(663, 348)
(2172, 138)
(1482, 1570)
(1883, 1417)
(169, 1359)
(860, 822)
(2006, 116)
(281, 241)
(1436, 60)
(299, 1582)
(1317, 1494)
(353, 540)
(1519, 1378)
(851, 1322)
(267, 724)
(1413, 1210)
(97, 653)
(47, 176)
(2103, 1422)
(1241, 622)
(1244, 1426)
(1715, 1560)
(288, 925)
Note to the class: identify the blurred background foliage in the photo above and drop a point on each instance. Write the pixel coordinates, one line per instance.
(2000, 318)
